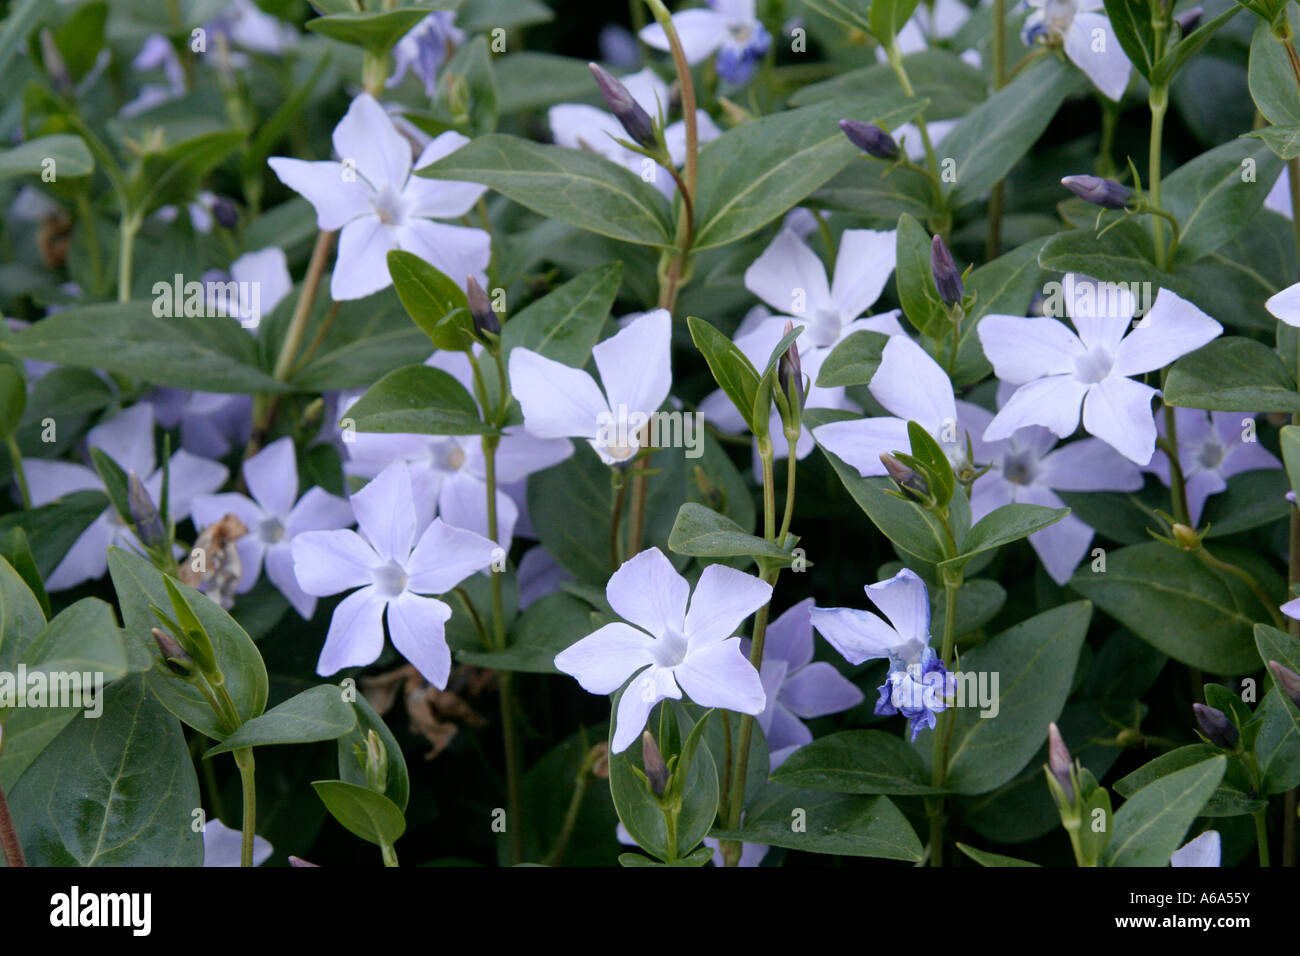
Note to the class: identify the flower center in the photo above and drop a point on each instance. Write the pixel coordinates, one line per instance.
(824, 329)
(390, 579)
(1093, 367)
(670, 649)
(447, 456)
(389, 206)
(1211, 455)
(1019, 468)
(270, 530)
(1058, 15)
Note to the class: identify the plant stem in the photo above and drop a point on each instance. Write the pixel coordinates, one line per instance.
(616, 519)
(1158, 103)
(895, 56)
(87, 217)
(1241, 573)
(580, 782)
(1177, 482)
(788, 514)
(20, 473)
(244, 760)
(1261, 834)
(994, 244)
(514, 770)
(13, 850)
(636, 521)
(390, 854)
(125, 253)
(943, 732)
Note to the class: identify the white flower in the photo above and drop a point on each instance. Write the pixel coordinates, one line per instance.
(379, 204)
(671, 649)
(1089, 40)
(731, 27)
(1205, 850)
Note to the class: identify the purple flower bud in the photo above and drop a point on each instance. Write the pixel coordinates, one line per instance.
(485, 319)
(636, 121)
(656, 771)
(1287, 679)
(225, 212)
(144, 513)
(175, 656)
(946, 277)
(869, 138)
(1104, 192)
(909, 482)
(1188, 19)
(790, 369)
(1059, 761)
(1216, 726)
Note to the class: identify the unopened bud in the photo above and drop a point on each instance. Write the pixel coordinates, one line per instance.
(636, 121)
(376, 763)
(1188, 19)
(599, 757)
(869, 138)
(175, 656)
(144, 513)
(1216, 726)
(947, 280)
(1104, 192)
(1059, 761)
(1287, 679)
(790, 370)
(1185, 537)
(225, 212)
(908, 481)
(480, 307)
(656, 771)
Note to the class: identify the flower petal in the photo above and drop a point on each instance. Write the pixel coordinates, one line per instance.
(1022, 350)
(904, 600)
(1285, 305)
(49, 479)
(338, 199)
(557, 401)
(790, 278)
(1118, 411)
(861, 442)
(272, 476)
(444, 556)
(1052, 402)
(647, 591)
(280, 572)
(723, 599)
(441, 198)
(361, 267)
(356, 634)
(817, 690)
(604, 659)
(127, 438)
(1089, 465)
(1171, 328)
(318, 510)
(648, 688)
(366, 135)
(700, 32)
(636, 364)
(858, 635)
(385, 510)
(327, 562)
(1102, 59)
(911, 385)
(790, 638)
(863, 265)
(718, 675)
(417, 626)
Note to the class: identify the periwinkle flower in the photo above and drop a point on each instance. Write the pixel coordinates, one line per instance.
(424, 48)
(918, 685)
(378, 203)
(1205, 850)
(128, 439)
(394, 564)
(246, 25)
(1217, 726)
(947, 278)
(1211, 449)
(274, 515)
(797, 687)
(1059, 371)
(635, 120)
(1103, 192)
(559, 401)
(671, 648)
(1059, 762)
(1074, 24)
(729, 27)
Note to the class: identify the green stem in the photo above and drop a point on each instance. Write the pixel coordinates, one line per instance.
(895, 56)
(390, 854)
(1158, 103)
(125, 253)
(1242, 574)
(20, 473)
(943, 732)
(514, 769)
(1177, 481)
(996, 198)
(1261, 834)
(615, 520)
(636, 520)
(244, 760)
(580, 783)
(790, 469)
(302, 308)
(87, 216)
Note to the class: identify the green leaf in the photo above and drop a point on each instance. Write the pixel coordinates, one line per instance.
(1289, 439)
(992, 137)
(1002, 526)
(564, 324)
(62, 154)
(55, 527)
(733, 372)
(984, 858)
(13, 399)
(545, 628)
(533, 80)
(139, 586)
(23, 18)
(1211, 197)
(435, 303)
(817, 822)
(1131, 21)
(916, 291)
(376, 31)
(1189, 45)
(21, 617)
(1280, 734)
(1284, 141)
(205, 354)
(418, 399)
(472, 66)
(854, 361)
(1151, 824)
(759, 170)
(1124, 254)
(857, 761)
(850, 13)
(1035, 663)
(352, 770)
(174, 174)
(316, 714)
(1272, 84)
(363, 812)
(17, 550)
(1179, 606)
(886, 18)
(703, 533)
(951, 85)
(116, 791)
(1004, 286)
(1232, 374)
(571, 185)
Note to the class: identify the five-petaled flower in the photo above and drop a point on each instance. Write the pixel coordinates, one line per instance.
(1212, 447)
(1058, 370)
(731, 27)
(394, 564)
(918, 685)
(1088, 38)
(372, 195)
(671, 648)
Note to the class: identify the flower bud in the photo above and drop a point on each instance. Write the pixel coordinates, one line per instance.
(790, 370)
(480, 307)
(636, 121)
(175, 656)
(1216, 726)
(947, 280)
(1104, 192)
(1287, 679)
(376, 757)
(225, 212)
(144, 513)
(1059, 761)
(1186, 537)
(1187, 20)
(656, 771)
(909, 482)
(599, 758)
(869, 138)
